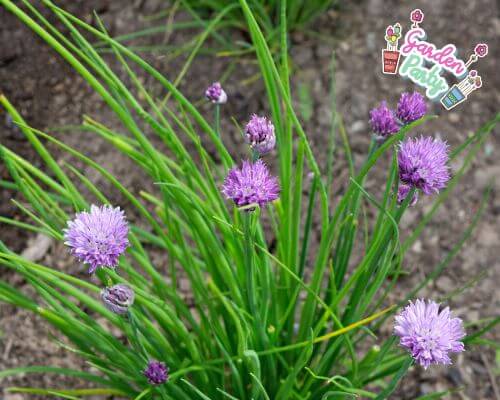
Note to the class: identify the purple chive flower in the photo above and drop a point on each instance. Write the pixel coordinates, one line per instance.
(118, 298)
(216, 94)
(382, 121)
(156, 372)
(403, 191)
(411, 107)
(252, 184)
(422, 164)
(98, 237)
(259, 134)
(429, 334)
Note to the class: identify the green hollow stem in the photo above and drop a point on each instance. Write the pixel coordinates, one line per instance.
(217, 119)
(346, 239)
(374, 145)
(248, 254)
(393, 384)
(255, 155)
(136, 342)
(161, 389)
(103, 276)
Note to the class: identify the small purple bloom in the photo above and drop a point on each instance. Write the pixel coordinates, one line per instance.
(422, 164)
(252, 184)
(411, 107)
(259, 134)
(216, 94)
(383, 122)
(403, 191)
(98, 237)
(429, 334)
(118, 298)
(156, 372)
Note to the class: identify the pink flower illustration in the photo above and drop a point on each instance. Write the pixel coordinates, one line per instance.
(417, 16)
(481, 49)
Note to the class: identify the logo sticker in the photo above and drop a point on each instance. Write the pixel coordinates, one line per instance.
(423, 63)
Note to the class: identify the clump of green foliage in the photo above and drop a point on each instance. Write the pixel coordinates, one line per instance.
(267, 322)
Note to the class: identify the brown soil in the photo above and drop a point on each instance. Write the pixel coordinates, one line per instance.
(48, 93)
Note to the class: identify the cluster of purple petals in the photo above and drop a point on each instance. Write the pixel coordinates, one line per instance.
(259, 134)
(98, 237)
(411, 106)
(385, 122)
(382, 121)
(216, 94)
(430, 335)
(251, 184)
(156, 372)
(423, 164)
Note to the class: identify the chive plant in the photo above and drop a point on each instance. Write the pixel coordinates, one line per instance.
(266, 322)
(221, 18)
(267, 13)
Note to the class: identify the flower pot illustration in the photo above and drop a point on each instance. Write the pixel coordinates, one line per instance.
(452, 97)
(391, 54)
(390, 61)
(459, 92)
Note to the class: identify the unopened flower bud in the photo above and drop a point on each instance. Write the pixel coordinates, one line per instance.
(216, 94)
(156, 372)
(259, 134)
(118, 298)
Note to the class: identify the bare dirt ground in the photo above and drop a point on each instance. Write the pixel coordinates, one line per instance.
(49, 94)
